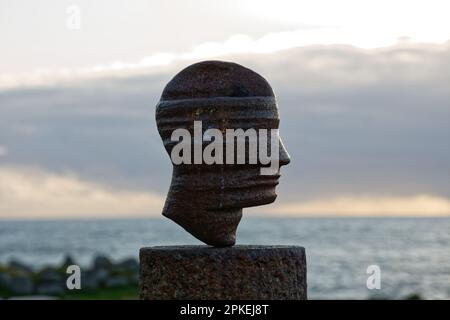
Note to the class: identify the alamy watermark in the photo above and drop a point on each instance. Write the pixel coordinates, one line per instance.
(235, 139)
(74, 280)
(73, 21)
(374, 280)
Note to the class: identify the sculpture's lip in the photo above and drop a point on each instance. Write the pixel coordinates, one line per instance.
(268, 183)
(273, 176)
(256, 182)
(267, 180)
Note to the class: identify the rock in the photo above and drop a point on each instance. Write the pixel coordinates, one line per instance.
(20, 267)
(5, 281)
(21, 285)
(89, 281)
(129, 264)
(134, 278)
(95, 278)
(68, 261)
(50, 274)
(116, 281)
(240, 272)
(50, 288)
(101, 275)
(102, 262)
(413, 296)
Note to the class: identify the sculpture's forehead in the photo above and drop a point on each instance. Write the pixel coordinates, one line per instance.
(210, 79)
(258, 109)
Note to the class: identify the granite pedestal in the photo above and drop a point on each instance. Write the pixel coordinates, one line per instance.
(209, 273)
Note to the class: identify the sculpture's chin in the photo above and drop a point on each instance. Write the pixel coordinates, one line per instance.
(215, 228)
(213, 216)
(262, 199)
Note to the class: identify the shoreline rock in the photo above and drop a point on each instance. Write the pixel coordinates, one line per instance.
(18, 279)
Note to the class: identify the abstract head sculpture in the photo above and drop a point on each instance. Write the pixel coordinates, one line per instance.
(206, 199)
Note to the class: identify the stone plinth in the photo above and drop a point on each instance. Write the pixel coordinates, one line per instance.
(239, 272)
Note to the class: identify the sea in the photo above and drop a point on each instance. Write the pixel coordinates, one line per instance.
(409, 256)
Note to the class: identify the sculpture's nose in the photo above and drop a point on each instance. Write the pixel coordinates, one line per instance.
(284, 155)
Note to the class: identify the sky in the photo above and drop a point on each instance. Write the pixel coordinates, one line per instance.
(362, 86)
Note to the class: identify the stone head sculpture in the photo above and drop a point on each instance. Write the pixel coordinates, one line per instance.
(205, 111)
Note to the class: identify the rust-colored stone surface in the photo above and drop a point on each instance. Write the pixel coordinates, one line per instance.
(207, 273)
(207, 200)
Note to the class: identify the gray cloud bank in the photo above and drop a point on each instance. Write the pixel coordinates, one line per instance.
(372, 122)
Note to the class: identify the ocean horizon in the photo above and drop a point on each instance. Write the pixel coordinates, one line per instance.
(412, 253)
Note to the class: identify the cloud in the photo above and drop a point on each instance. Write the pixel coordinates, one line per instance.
(30, 193)
(177, 28)
(235, 44)
(27, 193)
(417, 205)
(3, 151)
(355, 122)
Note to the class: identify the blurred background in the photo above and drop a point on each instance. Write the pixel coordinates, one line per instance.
(363, 91)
